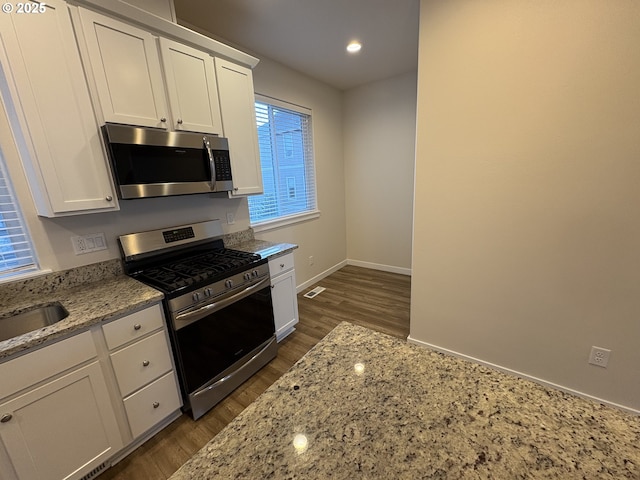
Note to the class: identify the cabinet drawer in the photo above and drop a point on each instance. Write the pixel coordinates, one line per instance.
(142, 362)
(281, 264)
(46, 362)
(152, 404)
(132, 326)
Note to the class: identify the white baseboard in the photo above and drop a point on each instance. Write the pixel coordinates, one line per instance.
(320, 276)
(522, 375)
(380, 266)
(355, 263)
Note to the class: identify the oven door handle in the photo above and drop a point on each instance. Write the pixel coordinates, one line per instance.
(184, 319)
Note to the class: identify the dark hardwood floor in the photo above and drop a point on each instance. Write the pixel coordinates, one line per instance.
(371, 298)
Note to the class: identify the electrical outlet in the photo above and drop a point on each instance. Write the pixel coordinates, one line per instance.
(231, 218)
(599, 356)
(311, 260)
(92, 242)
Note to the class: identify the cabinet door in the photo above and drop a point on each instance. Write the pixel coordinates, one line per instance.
(52, 116)
(192, 88)
(126, 68)
(237, 104)
(61, 430)
(285, 303)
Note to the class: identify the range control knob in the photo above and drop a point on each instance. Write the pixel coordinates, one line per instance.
(207, 292)
(255, 273)
(247, 276)
(228, 283)
(196, 296)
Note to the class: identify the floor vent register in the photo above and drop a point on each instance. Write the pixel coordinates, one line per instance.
(316, 291)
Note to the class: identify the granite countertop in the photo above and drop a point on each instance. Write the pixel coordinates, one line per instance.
(89, 300)
(265, 248)
(95, 293)
(363, 405)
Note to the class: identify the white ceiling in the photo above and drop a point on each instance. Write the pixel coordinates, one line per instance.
(311, 35)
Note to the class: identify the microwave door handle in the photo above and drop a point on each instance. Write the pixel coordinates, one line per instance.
(212, 165)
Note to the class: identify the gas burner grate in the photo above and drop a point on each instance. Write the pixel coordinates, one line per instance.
(211, 266)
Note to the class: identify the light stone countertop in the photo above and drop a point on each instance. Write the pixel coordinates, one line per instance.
(95, 293)
(363, 405)
(264, 248)
(90, 296)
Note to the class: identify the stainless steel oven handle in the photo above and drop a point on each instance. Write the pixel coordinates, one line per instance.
(212, 165)
(193, 315)
(235, 372)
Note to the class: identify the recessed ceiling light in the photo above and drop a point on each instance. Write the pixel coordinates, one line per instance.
(354, 47)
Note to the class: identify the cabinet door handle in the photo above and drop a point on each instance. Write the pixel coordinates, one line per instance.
(282, 265)
(145, 363)
(156, 404)
(137, 326)
(179, 121)
(6, 417)
(108, 198)
(163, 119)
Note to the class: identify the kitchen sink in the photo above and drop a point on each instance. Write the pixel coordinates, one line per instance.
(34, 318)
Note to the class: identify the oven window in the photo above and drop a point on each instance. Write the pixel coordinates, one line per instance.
(211, 345)
(138, 164)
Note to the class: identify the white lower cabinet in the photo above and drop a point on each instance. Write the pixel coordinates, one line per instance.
(69, 408)
(152, 404)
(283, 294)
(60, 428)
(143, 367)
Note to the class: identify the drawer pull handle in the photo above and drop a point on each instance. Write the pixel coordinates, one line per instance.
(6, 417)
(145, 363)
(156, 404)
(282, 265)
(137, 326)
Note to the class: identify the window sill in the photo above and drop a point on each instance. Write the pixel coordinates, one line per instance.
(16, 277)
(284, 221)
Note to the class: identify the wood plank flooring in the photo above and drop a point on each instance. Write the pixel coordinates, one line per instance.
(371, 298)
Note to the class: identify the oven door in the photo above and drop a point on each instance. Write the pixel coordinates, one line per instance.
(219, 345)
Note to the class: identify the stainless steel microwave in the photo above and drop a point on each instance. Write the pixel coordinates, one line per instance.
(156, 163)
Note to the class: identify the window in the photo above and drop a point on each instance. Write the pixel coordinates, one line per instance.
(286, 158)
(16, 253)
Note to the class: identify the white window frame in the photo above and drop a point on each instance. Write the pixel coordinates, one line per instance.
(299, 217)
(32, 268)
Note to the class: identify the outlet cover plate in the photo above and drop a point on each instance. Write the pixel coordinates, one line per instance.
(92, 242)
(599, 356)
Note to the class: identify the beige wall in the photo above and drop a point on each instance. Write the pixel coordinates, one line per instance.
(379, 151)
(323, 238)
(526, 227)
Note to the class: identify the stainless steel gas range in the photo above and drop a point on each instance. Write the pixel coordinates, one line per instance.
(217, 304)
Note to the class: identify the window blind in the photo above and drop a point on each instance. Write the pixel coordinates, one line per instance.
(16, 252)
(286, 158)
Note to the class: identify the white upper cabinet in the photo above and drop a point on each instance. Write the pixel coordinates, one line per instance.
(126, 69)
(237, 104)
(192, 88)
(130, 85)
(161, 8)
(44, 91)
